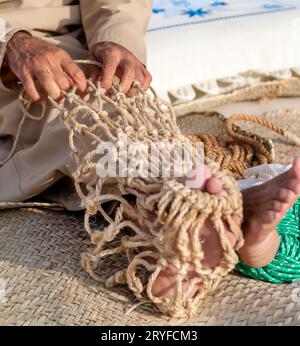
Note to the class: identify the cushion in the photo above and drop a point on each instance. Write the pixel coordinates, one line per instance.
(193, 41)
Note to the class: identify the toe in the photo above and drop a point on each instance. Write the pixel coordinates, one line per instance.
(165, 283)
(197, 177)
(279, 206)
(214, 186)
(294, 186)
(295, 170)
(285, 195)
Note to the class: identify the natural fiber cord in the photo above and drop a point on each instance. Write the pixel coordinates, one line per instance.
(166, 215)
(259, 91)
(163, 224)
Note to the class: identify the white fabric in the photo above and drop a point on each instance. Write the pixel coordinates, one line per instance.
(247, 35)
(260, 174)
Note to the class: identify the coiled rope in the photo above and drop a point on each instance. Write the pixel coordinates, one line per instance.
(166, 213)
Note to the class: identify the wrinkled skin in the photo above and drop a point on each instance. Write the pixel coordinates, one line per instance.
(39, 64)
(118, 60)
(32, 60)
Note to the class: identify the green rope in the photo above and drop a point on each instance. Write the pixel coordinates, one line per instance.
(286, 265)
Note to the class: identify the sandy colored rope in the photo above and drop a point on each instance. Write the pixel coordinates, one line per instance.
(23, 104)
(164, 223)
(260, 91)
(46, 286)
(177, 212)
(13, 205)
(165, 216)
(229, 124)
(243, 149)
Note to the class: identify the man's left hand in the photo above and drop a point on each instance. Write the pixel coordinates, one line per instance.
(117, 60)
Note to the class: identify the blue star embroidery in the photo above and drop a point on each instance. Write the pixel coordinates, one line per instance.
(179, 2)
(194, 13)
(271, 6)
(158, 10)
(218, 3)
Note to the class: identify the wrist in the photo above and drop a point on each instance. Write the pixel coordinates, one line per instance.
(18, 37)
(15, 42)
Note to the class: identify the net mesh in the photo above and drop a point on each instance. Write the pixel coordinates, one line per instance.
(160, 227)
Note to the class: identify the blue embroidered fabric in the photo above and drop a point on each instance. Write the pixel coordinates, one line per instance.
(174, 13)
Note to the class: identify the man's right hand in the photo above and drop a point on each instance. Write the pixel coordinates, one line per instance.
(33, 60)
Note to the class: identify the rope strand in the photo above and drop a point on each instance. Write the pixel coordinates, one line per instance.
(166, 216)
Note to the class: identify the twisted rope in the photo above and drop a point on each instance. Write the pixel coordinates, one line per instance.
(259, 91)
(243, 150)
(165, 221)
(165, 211)
(13, 205)
(165, 216)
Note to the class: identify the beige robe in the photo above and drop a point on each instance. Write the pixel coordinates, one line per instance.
(42, 159)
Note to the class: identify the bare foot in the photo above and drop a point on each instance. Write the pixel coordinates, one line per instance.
(264, 207)
(165, 284)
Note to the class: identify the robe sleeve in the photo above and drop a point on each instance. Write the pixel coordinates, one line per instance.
(7, 30)
(118, 21)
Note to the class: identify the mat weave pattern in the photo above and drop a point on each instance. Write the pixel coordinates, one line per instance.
(45, 284)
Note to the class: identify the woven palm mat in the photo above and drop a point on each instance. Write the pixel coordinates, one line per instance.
(45, 285)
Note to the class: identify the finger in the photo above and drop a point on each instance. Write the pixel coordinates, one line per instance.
(127, 76)
(76, 74)
(62, 79)
(94, 73)
(140, 77)
(148, 80)
(144, 78)
(29, 87)
(70, 80)
(48, 83)
(108, 71)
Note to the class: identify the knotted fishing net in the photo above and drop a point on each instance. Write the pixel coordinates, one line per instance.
(158, 220)
(159, 226)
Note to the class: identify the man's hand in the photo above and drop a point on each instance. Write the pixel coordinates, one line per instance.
(117, 60)
(33, 60)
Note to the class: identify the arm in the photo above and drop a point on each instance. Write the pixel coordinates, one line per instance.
(35, 63)
(7, 31)
(118, 21)
(115, 32)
